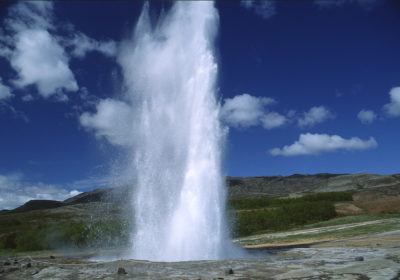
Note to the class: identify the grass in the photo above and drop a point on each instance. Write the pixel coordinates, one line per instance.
(355, 231)
(85, 226)
(338, 221)
(99, 234)
(253, 216)
(353, 219)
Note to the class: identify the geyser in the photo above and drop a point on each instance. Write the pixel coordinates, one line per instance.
(179, 197)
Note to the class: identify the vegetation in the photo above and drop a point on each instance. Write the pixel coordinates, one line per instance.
(272, 214)
(337, 233)
(263, 202)
(90, 225)
(353, 219)
(282, 218)
(58, 228)
(66, 235)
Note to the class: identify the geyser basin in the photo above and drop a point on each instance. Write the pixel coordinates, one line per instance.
(179, 197)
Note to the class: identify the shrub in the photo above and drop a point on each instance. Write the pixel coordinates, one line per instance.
(9, 241)
(97, 234)
(30, 241)
(289, 215)
(329, 196)
(264, 202)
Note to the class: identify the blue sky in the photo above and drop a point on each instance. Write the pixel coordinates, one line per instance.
(305, 87)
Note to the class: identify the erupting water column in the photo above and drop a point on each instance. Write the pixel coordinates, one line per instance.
(170, 72)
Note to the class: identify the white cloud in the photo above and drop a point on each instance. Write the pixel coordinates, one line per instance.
(314, 116)
(314, 144)
(30, 15)
(273, 120)
(393, 108)
(82, 44)
(112, 121)
(366, 116)
(264, 9)
(5, 91)
(40, 60)
(36, 55)
(14, 191)
(31, 42)
(244, 110)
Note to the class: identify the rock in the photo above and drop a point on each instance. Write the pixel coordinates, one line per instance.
(33, 271)
(229, 271)
(359, 259)
(121, 270)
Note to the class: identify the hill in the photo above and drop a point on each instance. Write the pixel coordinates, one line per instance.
(363, 184)
(300, 184)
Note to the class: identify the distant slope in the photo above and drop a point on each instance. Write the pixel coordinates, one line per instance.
(297, 184)
(35, 205)
(276, 185)
(239, 187)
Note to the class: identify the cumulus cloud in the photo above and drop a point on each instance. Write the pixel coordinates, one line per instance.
(314, 116)
(30, 40)
(5, 91)
(40, 60)
(14, 191)
(366, 116)
(272, 120)
(35, 54)
(264, 9)
(26, 15)
(112, 121)
(314, 144)
(244, 110)
(393, 108)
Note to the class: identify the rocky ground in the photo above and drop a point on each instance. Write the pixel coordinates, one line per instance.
(375, 256)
